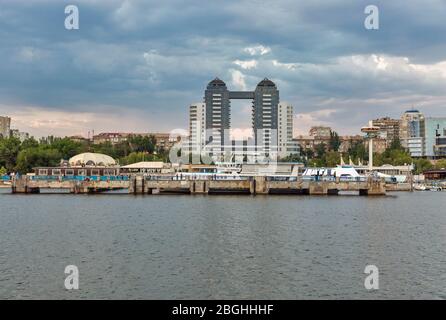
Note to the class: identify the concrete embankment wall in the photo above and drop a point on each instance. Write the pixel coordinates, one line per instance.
(251, 185)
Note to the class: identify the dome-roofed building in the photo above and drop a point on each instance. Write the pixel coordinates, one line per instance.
(216, 83)
(92, 159)
(266, 83)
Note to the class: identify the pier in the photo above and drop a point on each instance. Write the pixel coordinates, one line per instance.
(165, 184)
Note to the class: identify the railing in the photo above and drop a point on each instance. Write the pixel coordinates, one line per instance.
(78, 178)
(197, 178)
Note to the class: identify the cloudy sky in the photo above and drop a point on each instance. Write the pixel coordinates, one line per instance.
(137, 65)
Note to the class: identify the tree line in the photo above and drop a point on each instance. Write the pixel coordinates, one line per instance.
(22, 156)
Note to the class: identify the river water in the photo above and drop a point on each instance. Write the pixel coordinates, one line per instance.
(222, 247)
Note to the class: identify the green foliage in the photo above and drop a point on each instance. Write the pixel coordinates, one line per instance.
(140, 143)
(335, 141)
(441, 164)
(135, 157)
(332, 158)
(320, 150)
(293, 158)
(9, 149)
(3, 171)
(395, 155)
(358, 151)
(41, 156)
(49, 151)
(422, 165)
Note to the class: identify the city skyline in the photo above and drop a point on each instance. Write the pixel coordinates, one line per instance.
(136, 66)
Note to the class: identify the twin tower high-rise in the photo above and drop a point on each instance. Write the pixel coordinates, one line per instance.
(272, 122)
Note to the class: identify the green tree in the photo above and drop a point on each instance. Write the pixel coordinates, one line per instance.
(441, 164)
(42, 156)
(3, 171)
(320, 150)
(9, 149)
(335, 141)
(67, 147)
(332, 158)
(357, 151)
(422, 165)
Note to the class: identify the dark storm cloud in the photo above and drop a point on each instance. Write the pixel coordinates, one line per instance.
(155, 57)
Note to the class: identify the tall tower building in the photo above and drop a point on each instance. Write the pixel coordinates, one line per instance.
(265, 116)
(285, 129)
(218, 116)
(272, 123)
(197, 127)
(5, 127)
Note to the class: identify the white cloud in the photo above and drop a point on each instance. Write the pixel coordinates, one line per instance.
(304, 121)
(238, 79)
(289, 66)
(247, 64)
(257, 50)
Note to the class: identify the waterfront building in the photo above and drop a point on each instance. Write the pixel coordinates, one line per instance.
(412, 132)
(286, 145)
(5, 127)
(197, 129)
(265, 116)
(439, 174)
(434, 137)
(145, 167)
(389, 129)
(218, 116)
(272, 123)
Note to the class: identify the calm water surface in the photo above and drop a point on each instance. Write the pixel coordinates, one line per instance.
(222, 247)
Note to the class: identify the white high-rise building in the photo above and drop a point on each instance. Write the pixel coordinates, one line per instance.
(197, 127)
(285, 130)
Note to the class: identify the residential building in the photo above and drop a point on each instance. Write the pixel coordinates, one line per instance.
(412, 131)
(389, 129)
(265, 117)
(379, 144)
(319, 131)
(434, 137)
(272, 122)
(347, 142)
(5, 127)
(197, 128)
(285, 130)
(111, 137)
